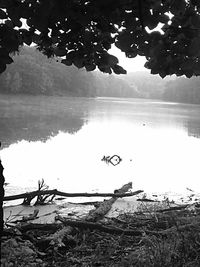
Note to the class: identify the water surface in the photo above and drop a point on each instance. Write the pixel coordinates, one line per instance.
(65, 140)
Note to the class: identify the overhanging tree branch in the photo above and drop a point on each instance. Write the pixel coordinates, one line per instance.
(82, 32)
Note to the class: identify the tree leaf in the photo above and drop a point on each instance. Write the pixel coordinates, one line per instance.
(124, 41)
(3, 14)
(163, 18)
(105, 69)
(195, 20)
(154, 71)
(118, 69)
(162, 74)
(9, 23)
(108, 60)
(3, 52)
(112, 60)
(67, 62)
(177, 6)
(6, 59)
(194, 48)
(90, 67)
(60, 52)
(2, 66)
(151, 22)
(17, 22)
(131, 54)
(106, 45)
(78, 62)
(36, 38)
(5, 3)
(71, 55)
(187, 65)
(188, 73)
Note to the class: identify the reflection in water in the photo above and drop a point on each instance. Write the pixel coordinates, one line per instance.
(36, 118)
(193, 122)
(151, 139)
(154, 113)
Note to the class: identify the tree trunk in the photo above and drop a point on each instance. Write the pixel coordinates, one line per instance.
(2, 180)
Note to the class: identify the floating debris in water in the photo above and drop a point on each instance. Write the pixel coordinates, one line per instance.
(114, 160)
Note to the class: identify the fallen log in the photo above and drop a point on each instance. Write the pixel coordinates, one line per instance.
(59, 193)
(56, 238)
(103, 209)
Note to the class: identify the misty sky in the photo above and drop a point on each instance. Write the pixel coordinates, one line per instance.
(130, 64)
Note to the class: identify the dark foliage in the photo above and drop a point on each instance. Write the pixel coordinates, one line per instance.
(82, 32)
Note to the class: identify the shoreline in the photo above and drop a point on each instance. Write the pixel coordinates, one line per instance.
(67, 207)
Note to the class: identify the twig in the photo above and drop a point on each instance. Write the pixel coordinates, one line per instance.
(30, 217)
(147, 200)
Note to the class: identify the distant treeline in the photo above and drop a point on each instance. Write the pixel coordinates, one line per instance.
(33, 73)
(174, 89)
(183, 90)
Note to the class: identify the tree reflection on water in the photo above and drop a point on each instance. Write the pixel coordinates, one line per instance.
(34, 118)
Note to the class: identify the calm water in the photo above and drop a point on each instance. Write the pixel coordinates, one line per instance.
(159, 144)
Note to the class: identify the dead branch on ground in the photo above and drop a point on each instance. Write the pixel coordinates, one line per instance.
(106, 229)
(103, 209)
(59, 193)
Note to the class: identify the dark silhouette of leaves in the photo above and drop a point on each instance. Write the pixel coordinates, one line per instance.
(2, 67)
(82, 32)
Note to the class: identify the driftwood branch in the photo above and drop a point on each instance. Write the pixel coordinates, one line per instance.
(103, 209)
(59, 193)
(181, 207)
(23, 227)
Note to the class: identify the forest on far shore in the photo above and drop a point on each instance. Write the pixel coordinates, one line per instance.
(35, 74)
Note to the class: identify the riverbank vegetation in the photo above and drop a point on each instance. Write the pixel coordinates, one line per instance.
(157, 233)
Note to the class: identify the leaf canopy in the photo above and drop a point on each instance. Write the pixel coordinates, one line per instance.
(81, 32)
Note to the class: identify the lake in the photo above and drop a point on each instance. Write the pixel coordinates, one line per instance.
(63, 140)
